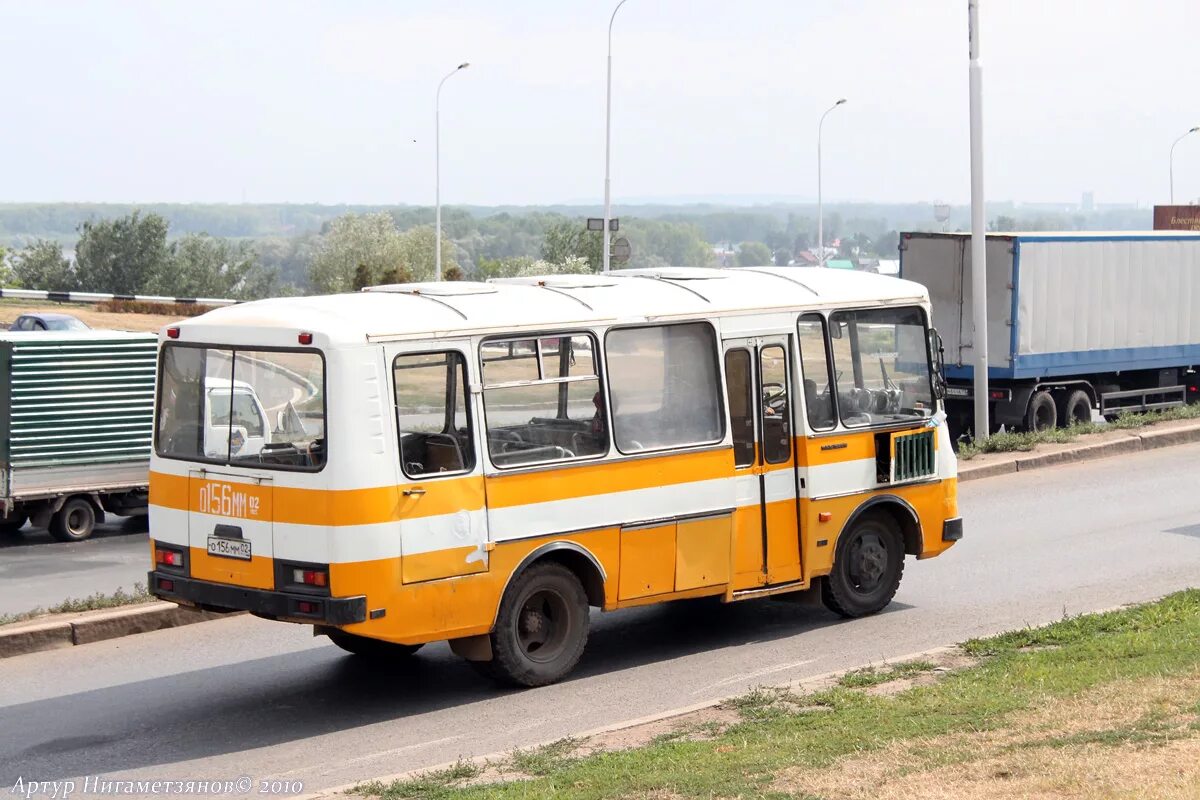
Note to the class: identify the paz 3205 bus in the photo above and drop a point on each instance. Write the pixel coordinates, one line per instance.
(483, 462)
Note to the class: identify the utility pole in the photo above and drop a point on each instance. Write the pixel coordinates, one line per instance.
(978, 228)
(607, 235)
(437, 172)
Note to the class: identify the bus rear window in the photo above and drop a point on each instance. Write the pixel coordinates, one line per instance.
(241, 407)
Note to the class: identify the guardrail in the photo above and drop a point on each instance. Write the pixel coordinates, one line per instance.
(96, 297)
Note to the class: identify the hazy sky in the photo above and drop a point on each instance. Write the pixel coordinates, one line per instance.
(322, 101)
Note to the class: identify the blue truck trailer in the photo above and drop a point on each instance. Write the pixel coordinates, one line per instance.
(1077, 322)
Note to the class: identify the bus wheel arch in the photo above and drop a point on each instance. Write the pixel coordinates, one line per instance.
(575, 557)
(901, 512)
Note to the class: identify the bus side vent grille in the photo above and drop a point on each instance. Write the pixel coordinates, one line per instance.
(913, 456)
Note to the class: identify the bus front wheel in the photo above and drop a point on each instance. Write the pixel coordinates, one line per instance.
(867, 567)
(541, 628)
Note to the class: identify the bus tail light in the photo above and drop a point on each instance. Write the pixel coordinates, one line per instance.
(311, 577)
(169, 558)
(305, 338)
(308, 607)
(166, 585)
(172, 333)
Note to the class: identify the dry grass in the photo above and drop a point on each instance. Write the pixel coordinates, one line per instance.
(1129, 739)
(102, 320)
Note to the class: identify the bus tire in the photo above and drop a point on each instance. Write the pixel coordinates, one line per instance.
(867, 567)
(1075, 409)
(75, 521)
(371, 648)
(541, 627)
(1042, 413)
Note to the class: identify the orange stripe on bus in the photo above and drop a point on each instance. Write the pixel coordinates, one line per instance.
(562, 482)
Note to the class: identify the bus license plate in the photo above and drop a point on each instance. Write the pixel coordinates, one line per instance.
(229, 548)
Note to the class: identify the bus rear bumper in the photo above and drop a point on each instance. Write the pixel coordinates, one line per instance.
(335, 611)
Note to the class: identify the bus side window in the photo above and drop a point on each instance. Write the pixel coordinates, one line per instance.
(665, 387)
(818, 383)
(432, 415)
(741, 405)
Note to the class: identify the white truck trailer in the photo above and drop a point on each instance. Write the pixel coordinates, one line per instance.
(1076, 322)
(76, 417)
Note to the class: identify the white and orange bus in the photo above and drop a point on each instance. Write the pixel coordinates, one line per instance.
(482, 462)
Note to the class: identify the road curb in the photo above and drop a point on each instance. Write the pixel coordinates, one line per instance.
(1135, 441)
(87, 627)
(809, 684)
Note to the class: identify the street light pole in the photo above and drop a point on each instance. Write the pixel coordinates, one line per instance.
(608, 142)
(1177, 141)
(820, 199)
(978, 229)
(437, 172)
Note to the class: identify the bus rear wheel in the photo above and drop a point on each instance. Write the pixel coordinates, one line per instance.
(541, 628)
(867, 567)
(371, 648)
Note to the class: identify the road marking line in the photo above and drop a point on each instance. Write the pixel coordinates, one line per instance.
(749, 676)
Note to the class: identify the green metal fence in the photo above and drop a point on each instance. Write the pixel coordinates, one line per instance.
(78, 399)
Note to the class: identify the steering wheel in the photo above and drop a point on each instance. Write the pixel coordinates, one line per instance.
(774, 396)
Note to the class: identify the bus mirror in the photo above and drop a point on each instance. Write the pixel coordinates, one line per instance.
(937, 367)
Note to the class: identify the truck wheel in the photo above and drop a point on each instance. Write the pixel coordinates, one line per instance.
(541, 628)
(11, 525)
(867, 567)
(74, 522)
(371, 648)
(1042, 413)
(1075, 410)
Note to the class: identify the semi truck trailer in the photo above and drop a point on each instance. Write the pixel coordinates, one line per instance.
(76, 417)
(1078, 322)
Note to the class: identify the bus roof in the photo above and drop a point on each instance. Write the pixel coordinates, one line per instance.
(415, 310)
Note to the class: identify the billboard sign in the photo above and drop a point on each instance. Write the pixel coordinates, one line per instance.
(1177, 218)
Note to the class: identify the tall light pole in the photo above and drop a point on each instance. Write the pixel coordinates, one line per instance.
(608, 142)
(820, 199)
(978, 229)
(437, 171)
(1177, 141)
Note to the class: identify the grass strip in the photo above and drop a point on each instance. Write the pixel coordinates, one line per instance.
(1021, 674)
(1024, 441)
(90, 603)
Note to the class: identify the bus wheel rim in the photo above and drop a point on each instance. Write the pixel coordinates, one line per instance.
(542, 625)
(868, 562)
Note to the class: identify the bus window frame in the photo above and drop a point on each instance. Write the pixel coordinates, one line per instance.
(830, 372)
(718, 364)
(447, 418)
(598, 376)
(234, 349)
(893, 424)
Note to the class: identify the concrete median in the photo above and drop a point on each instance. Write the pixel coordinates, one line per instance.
(67, 630)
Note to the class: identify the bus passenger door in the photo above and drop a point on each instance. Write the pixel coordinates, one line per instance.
(766, 527)
(443, 523)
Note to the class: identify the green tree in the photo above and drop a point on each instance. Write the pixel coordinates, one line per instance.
(569, 239)
(351, 241)
(123, 255)
(372, 242)
(753, 254)
(887, 245)
(418, 246)
(199, 265)
(362, 277)
(1003, 223)
(41, 265)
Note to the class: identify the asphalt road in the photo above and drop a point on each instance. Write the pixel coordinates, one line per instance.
(38, 572)
(249, 697)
